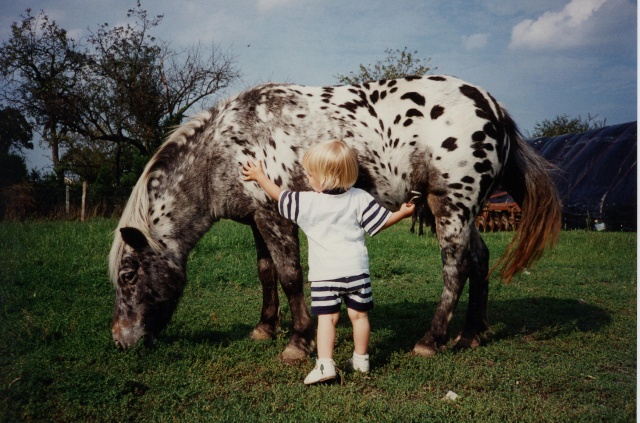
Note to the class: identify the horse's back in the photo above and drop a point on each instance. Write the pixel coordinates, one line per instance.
(429, 133)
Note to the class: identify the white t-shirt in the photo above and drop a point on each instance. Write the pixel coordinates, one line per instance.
(335, 225)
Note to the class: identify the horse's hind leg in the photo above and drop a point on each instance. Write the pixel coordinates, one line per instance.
(270, 315)
(477, 321)
(453, 237)
(281, 240)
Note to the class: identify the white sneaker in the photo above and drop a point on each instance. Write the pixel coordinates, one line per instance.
(360, 362)
(325, 370)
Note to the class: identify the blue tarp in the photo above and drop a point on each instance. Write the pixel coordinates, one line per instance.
(597, 175)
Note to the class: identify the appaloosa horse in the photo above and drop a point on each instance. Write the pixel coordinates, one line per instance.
(438, 135)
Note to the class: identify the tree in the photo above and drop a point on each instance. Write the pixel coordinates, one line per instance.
(40, 66)
(110, 102)
(397, 64)
(15, 132)
(15, 135)
(136, 89)
(563, 124)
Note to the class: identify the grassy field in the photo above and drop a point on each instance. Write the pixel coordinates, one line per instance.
(562, 346)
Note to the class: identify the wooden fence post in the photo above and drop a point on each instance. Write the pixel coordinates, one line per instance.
(67, 198)
(84, 200)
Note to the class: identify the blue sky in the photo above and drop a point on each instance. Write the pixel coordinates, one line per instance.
(539, 58)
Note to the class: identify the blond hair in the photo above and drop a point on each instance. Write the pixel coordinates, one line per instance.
(333, 164)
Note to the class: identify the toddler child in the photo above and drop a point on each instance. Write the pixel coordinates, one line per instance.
(334, 217)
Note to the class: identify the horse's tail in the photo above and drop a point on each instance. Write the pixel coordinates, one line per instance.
(527, 178)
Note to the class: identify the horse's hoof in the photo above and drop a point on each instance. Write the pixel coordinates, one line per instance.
(467, 341)
(292, 354)
(260, 334)
(424, 350)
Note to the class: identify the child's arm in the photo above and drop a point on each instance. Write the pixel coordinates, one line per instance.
(253, 172)
(406, 210)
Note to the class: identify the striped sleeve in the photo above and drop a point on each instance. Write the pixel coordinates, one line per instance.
(374, 217)
(289, 205)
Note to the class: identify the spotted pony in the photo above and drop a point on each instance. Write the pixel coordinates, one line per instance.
(438, 135)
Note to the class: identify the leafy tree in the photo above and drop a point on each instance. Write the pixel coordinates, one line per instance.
(397, 64)
(136, 90)
(15, 135)
(15, 132)
(108, 103)
(563, 124)
(40, 66)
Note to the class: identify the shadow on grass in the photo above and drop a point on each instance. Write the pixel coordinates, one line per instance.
(205, 336)
(401, 325)
(398, 326)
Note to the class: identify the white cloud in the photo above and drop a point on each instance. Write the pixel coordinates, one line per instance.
(580, 23)
(475, 41)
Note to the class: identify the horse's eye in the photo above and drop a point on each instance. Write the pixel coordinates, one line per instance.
(129, 276)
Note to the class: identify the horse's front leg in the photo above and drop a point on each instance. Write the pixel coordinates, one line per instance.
(281, 239)
(269, 322)
(453, 237)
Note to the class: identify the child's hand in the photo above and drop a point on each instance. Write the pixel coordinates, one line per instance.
(252, 171)
(407, 209)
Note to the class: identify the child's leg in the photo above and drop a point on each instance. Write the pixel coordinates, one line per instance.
(361, 330)
(325, 367)
(326, 334)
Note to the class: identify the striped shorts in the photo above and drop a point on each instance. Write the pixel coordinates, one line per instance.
(355, 291)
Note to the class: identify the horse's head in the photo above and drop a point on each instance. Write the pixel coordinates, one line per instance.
(148, 287)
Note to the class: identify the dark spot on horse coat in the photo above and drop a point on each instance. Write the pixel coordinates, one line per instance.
(374, 97)
(248, 152)
(468, 179)
(484, 166)
(407, 122)
(415, 97)
(436, 111)
(414, 113)
(437, 78)
(481, 114)
(478, 136)
(450, 144)
(490, 130)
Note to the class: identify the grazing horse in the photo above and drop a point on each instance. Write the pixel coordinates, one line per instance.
(438, 135)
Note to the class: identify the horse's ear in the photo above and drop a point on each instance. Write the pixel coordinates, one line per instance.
(134, 238)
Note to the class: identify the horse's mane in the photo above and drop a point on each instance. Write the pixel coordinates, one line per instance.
(136, 212)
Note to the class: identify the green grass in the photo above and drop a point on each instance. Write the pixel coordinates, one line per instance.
(562, 346)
